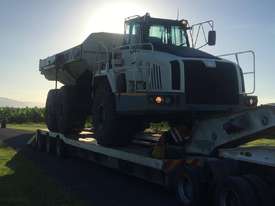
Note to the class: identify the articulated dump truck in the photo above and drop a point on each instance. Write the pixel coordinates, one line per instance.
(152, 73)
(156, 72)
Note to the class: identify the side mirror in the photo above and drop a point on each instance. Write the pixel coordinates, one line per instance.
(211, 38)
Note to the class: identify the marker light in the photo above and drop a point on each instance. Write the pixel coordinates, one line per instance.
(159, 99)
(251, 101)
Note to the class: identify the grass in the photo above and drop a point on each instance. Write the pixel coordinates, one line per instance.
(21, 183)
(32, 127)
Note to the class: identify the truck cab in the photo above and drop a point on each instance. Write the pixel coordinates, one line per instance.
(155, 31)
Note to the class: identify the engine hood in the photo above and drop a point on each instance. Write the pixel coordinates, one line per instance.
(184, 51)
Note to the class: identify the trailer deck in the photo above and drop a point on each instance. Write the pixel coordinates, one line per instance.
(136, 160)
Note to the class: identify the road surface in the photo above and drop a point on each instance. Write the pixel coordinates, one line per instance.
(96, 184)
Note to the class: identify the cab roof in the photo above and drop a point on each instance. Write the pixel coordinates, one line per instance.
(150, 20)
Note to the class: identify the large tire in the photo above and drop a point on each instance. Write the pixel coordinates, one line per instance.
(188, 187)
(70, 118)
(236, 191)
(51, 110)
(110, 129)
(261, 189)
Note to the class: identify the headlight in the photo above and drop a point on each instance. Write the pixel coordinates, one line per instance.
(161, 100)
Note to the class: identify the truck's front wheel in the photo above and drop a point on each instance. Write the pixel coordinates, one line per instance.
(110, 129)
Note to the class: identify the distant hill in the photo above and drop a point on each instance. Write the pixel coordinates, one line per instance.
(6, 102)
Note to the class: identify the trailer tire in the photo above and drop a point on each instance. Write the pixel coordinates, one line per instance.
(189, 190)
(51, 111)
(70, 119)
(61, 149)
(110, 129)
(261, 188)
(235, 191)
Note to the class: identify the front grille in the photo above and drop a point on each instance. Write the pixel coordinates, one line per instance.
(203, 85)
(155, 82)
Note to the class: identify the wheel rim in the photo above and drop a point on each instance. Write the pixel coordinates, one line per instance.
(185, 190)
(230, 198)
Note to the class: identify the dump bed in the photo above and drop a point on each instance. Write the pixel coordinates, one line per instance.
(69, 65)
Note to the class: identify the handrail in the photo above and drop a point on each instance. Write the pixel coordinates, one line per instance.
(236, 54)
(196, 34)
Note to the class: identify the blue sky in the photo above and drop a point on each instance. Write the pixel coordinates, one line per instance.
(34, 29)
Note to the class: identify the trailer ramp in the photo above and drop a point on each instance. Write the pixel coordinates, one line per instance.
(232, 130)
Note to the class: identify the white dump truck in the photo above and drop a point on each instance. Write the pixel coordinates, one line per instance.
(152, 73)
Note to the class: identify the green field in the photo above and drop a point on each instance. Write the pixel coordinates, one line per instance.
(32, 127)
(21, 183)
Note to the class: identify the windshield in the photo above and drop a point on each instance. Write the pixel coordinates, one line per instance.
(171, 35)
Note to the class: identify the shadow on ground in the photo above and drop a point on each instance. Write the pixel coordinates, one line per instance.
(93, 183)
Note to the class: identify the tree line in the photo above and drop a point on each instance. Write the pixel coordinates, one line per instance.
(21, 115)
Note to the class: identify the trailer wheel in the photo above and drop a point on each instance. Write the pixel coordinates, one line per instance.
(261, 189)
(236, 191)
(110, 129)
(61, 150)
(189, 191)
(70, 119)
(50, 110)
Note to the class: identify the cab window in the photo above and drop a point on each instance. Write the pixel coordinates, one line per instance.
(135, 36)
(132, 34)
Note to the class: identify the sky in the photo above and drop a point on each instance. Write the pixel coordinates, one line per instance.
(34, 29)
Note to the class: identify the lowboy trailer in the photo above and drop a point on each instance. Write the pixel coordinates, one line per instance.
(225, 173)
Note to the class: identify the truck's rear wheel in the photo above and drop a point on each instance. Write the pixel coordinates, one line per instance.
(70, 119)
(110, 129)
(51, 110)
(236, 191)
(261, 189)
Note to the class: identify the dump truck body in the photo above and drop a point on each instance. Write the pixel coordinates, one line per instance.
(67, 66)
